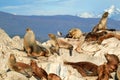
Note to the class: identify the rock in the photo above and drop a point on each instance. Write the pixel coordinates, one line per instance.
(54, 64)
(12, 75)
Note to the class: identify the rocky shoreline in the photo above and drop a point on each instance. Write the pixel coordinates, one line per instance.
(54, 64)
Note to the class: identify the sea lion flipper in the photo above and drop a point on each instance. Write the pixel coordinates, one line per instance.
(8, 70)
(70, 51)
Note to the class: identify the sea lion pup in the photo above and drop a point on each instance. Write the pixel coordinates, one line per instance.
(53, 76)
(58, 43)
(84, 68)
(20, 67)
(38, 72)
(102, 25)
(74, 33)
(31, 47)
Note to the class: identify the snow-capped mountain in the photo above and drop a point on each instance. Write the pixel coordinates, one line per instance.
(114, 12)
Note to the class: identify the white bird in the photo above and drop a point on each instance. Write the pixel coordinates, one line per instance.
(59, 33)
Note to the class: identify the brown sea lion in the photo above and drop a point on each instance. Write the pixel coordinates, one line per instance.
(31, 47)
(58, 43)
(39, 51)
(84, 68)
(102, 25)
(103, 72)
(112, 61)
(74, 33)
(108, 35)
(20, 67)
(38, 72)
(105, 69)
(53, 76)
(99, 37)
(91, 36)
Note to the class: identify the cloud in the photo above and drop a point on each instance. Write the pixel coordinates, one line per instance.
(15, 7)
(86, 15)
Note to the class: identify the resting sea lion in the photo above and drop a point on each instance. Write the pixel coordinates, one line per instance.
(84, 68)
(58, 43)
(20, 67)
(91, 36)
(38, 72)
(74, 33)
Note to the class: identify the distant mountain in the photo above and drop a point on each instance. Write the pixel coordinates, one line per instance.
(43, 25)
(114, 12)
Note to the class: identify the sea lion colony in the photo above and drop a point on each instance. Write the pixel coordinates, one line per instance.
(98, 34)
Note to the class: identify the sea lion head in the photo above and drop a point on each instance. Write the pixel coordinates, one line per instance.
(52, 36)
(112, 61)
(112, 58)
(105, 15)
(28, 29)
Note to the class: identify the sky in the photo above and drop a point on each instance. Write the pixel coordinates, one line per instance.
(82, 8)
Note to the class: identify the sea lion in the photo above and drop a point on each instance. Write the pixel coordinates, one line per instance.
(53, 76)
(102, 25)
(99, 37)
(106, 36)
(38, 72)
(58, 43)
(29, 40)
(91, 36)
(39, 51)
(31, 47)
(112, 61)
(84, 68)
(55, 45)
(110, 66)
(103, 72)
(74, 33)
(19, 67)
